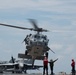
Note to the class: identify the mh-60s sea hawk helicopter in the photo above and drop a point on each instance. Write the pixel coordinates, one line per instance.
(36, 44)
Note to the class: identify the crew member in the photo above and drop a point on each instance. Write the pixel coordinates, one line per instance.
(51, 63)
(45, 66)
(73, 67)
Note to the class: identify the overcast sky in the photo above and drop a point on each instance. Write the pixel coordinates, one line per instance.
(58, 16)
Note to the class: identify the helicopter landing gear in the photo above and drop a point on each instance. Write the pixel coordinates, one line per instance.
(26, 52)
(46, 54)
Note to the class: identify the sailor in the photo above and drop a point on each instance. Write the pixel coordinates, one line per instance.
(51, 63)
(26, 40)
(45, 66)
(73, 67)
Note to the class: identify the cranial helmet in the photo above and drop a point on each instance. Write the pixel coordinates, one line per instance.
(51, 60)
(72, 59)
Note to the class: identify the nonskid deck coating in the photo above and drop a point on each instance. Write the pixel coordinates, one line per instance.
(32, 74)
(22, 74)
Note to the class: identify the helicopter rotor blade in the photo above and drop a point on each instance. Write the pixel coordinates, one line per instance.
(52, 51)
(45, 30)
(16, 26)
(63, 31)
(34, 23)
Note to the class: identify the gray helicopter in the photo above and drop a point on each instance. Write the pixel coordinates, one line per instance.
(36, 44)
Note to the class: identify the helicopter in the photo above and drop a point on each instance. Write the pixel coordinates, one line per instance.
(36, 44)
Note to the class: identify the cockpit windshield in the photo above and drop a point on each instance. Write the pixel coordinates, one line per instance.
(37, 39)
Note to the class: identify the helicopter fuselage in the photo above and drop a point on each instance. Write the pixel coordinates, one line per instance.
(36, 45)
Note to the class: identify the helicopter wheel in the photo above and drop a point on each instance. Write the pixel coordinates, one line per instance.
(26, 52)
(46, 54)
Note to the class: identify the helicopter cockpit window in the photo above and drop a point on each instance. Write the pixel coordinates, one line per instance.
(35, 36)
(36, 39)
(30, 35)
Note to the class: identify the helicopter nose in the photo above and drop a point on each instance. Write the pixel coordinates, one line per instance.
(37, 50)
